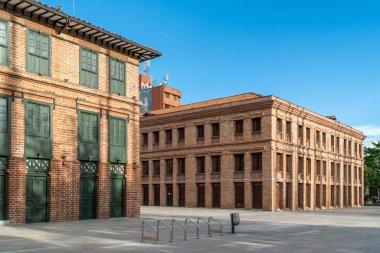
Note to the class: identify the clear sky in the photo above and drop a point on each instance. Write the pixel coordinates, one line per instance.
(322, 55)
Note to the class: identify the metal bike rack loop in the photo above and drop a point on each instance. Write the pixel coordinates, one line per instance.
(208, 225)
(195, 224)
(184, 229)
(166, 225)
(220, 224)
(149, 225)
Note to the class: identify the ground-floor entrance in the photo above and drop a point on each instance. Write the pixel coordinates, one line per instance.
(145, 194)
(216, 195)
(201, 195)
(239, 195)
(88, 185)
(257, 195)
(117, 185)
(169, 195)
(37, 191)
(181, 195)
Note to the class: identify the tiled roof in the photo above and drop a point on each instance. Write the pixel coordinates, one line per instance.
(64, 23)
(217, 101)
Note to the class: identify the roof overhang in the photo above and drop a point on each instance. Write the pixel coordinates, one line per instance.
(63, 23)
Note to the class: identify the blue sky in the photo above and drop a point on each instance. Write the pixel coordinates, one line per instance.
(322, 55)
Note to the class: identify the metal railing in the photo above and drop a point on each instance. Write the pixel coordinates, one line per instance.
(184, 229)
(149, 225)
(166, 225)
(195, 224)
(220, 224)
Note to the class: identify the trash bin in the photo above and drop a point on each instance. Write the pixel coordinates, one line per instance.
(235, 221)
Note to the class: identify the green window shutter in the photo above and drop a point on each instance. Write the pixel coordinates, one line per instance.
(117, 76)
(88, 68)
(4, 126)
(38, 140)
(117, 140)
(88, 136)
(38, 53)
(4, 43)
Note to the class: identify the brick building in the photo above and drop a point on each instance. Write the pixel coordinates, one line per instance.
(249, 151)
(69, 117)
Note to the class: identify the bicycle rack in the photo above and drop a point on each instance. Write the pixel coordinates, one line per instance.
(166, 225)
(149, 225)
(208, 225)
(196, 225)
(220, 224)
(184, 229)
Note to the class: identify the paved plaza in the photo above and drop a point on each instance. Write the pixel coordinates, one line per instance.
(341, 230)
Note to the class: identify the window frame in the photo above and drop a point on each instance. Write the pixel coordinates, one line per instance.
(110, 76)
(28, 30)
(80, 67)
(7, 44)
(260, 161)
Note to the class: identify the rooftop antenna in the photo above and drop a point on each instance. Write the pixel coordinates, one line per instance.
(59, 7)
(166, 79)
(146, 67)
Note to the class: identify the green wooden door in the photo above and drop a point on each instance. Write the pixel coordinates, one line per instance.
(2, 197)
(87, 205)
(117, 197)
(36, 198)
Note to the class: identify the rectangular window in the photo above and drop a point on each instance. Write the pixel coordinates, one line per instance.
(38, 53)
(289, 163)
(300, 134)
(88, 68)
(169, 166)
(279, 162)
(88, 149)
(117, 140)
(308, 166)
(345, 147)
(239, 162)
(215, 130)
(279, 125)
(201, 165)
(156, 168)
(145, 139)
(181, 134)
(324, 163)
(308, 136)
(332, 143)
(239, 127)
(333, 169)
(169, 136)
(350, 148)
(38, 142)
(215, 160)
(318, 138)
(360, 151)
(324, 140)
(337, 150)
(200, 132)
(5, 126)
(181, 166)
(300, 165)
(318, 170)
(145, 168)
(256, 125)
(338, 169)
(4, 43)
(257, 161)
(156, 137)
(117, 76)
(288, 131)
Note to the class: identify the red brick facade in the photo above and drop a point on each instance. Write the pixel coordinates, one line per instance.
(239, 141)
(62, 91)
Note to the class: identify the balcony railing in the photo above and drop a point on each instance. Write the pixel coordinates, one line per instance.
(180, 177)
(200, 176)
(215, 175)
(256, 135)
(238, 174)
(215, 139)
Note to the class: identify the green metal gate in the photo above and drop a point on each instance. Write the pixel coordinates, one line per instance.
(3, 188)
(117, 184)
(88, 189)
(37, 191)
